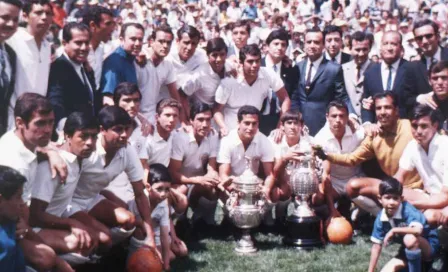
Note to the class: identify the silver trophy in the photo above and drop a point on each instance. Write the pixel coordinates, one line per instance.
(304, 228)
(246, 207)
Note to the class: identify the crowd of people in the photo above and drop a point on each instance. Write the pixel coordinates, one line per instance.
(116, 117)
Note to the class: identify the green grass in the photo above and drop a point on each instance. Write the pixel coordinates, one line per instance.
(217, 255)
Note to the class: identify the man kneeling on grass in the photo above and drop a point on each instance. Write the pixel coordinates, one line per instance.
(400, 221)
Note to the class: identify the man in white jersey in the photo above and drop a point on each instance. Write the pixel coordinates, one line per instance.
(50, 196)
(251, 87)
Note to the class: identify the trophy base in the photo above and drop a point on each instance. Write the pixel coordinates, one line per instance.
(245, 245)
(304, 232)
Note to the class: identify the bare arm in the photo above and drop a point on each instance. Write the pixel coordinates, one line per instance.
(283, 96)
(219, 118)
(165, 241)
(436, 201)
(374, 256)
(146, 170)
(143, 206)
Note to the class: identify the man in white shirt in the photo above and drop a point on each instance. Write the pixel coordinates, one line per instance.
(426, 153)
(233, 11)
(111, 158)
(34, 124)
(157, 73)
(202, 85)
(33, 52)
(50, 196)
(101, 23)
(251, 87)
(193, 157)
(240, 34)
(247, 147)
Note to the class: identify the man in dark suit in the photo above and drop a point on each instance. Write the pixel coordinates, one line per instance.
(9, 10)
(333, 45)
(417, 88)
(72, 82)
(320, 82)
(277, 42)
(385, 76)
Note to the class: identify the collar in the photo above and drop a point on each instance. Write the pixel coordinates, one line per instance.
(270, 64)
(317, 62)
(394, 130)
(70, 157)
(437, 56)
(432, 143)
(364, 65)
(158, 138)
(75, 65)
(25, 35)
(394, 65)
(27, 155)
(328, 135)
(237, 138)
(260, 75)
(338, 57)
(120, 51)
(191, 137)
(397, 215)
(102, 152)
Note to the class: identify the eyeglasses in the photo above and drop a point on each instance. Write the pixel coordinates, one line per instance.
(427, 36)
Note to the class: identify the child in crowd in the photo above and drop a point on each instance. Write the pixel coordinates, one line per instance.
(11, 189)
(401, 222)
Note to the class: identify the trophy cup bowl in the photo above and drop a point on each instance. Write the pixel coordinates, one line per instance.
(304, 228)
(246, 209)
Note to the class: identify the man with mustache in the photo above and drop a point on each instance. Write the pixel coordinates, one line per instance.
(438, 78)
(10, 10)
(387, 147)
(71, 85)
(34, 58)
(119, 66)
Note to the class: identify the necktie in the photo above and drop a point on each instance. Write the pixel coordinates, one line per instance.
(4, 79)
(308, 79)
(86, 83)
(389, 79)
(358, 72)
(333, 60)
(273, 104)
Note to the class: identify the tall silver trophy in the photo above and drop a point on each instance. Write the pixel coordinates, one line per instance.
(304, 228)
(246, 207)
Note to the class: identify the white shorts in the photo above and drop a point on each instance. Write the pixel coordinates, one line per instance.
(85, 205)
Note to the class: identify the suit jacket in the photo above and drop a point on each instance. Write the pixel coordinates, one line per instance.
(67, 92)
(326, 86)
(417, 81)
(6, 93)
(345, 58)
(289, 75)
(355, 89)
(373, 84)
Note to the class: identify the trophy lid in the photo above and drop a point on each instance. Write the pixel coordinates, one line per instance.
(247, 177)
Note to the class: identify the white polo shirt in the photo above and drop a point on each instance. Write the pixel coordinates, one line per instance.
(232, 151)
(160, 217)
(14, 154)
(96, 175)
(32, 67)
(350, 141)
(51, 190)
(235, 93)
(194, 157)
(156, 149)
(204, 82)
(280, 149)
(150, 81)
(432, 166)
(95, 59)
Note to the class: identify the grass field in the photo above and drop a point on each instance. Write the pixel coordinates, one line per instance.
(211, 254)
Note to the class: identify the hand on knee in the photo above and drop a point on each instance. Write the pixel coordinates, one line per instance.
(43, 258)
(411, 241)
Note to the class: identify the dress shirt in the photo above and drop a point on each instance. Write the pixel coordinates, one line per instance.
(338, 57)
(95, 59)
(316, 64)
(387, 148)
(385, 73)
(83, 78)
(436, 58)
(277, 69)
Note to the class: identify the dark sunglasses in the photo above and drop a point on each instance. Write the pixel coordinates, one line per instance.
(427, 36)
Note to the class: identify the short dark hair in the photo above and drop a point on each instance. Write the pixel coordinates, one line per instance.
(125, 88)
(421, 111)
(125, 27)
(10, 181)
(330, 29)
(16, 3)
(391, 186)
(241, 23)
(337, 104)
(111, 116)
(250, 49)
(278, 34)
(158, 173)
(385, 94)
(93, 14)
(77, 121)
(191, 31)
(28, 5)
(167, 102)
(439, 67)
(162, 28)
(214, 45)
(198, 107)
(426, 22)
(291, 115)
(314, 30)
(67, 34)
(29, 103)
(247, 110)
(361, 36)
